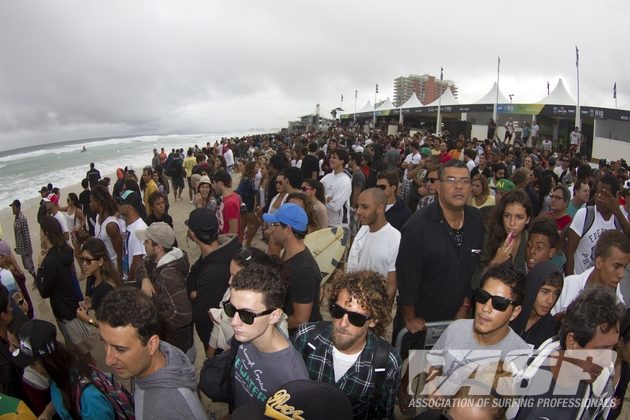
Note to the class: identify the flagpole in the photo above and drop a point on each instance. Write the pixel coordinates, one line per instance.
(341, 105)
(374, 112)
(438, 126)
(496, 101)
(577, 109)
(356, 92)
(615, 94)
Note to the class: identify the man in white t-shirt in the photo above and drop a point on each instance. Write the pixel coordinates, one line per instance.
(131, 209)
(612, 255)
(607, 215)
(575, 139)
(412, 159)
(338, 188)
(52, 205)
(375, 246)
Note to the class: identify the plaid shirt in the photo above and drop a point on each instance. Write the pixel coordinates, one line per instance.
(425, 201)
(22, 235)
(358, 382)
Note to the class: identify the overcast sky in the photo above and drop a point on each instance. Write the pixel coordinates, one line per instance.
(81, 69)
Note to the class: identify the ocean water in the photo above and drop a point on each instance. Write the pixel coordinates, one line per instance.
(24, 171)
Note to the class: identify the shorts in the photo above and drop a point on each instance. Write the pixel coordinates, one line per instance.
(178, 183)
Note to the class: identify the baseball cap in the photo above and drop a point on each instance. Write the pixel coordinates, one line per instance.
(37, 338)
(158, 232)
(5, 249)
(223, 176)
(289, 214)
(203, 220)
(16, 203)
(425, 151)
(504, 184)
(132, 198)
(302, 398)
(43, 189)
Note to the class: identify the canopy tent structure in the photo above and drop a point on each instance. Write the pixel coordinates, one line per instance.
(368, 107)
(387, 105)
(491, 97)
(412, 102)
(558, 96)
(447, 99)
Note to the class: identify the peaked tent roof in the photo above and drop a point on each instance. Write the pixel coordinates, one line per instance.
(491, 96)
(386, 105)
(558, 96)
(447, 99)
(367, 107)
(412, 102)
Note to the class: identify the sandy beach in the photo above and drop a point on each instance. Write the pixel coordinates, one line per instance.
(178, 210)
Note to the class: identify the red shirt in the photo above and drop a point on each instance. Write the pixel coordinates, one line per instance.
(229, 209)
(562, 222)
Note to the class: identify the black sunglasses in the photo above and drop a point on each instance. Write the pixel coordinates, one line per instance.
(498, 302)
(381, 186)
(246, 316)
(245, 256)
(355, 318)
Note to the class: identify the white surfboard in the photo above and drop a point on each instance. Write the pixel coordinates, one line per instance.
(328, 246)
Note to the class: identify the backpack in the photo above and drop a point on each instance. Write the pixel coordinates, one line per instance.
(117, 396)
(381, 355)
(215, 378)
(590, 219)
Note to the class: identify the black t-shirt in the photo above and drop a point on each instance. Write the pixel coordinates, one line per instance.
(304, 277)
(310, 164)
(97, 293)
(93, 175)
(84, 199)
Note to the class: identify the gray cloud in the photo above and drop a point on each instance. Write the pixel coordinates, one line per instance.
(73, 69)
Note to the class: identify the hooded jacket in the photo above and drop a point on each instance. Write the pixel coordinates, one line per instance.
(170, 392)
(209, 277)
(168, 277)
(546, 326)
(54, 281)
(398, 214)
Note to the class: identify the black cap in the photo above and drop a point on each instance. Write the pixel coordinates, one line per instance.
(16, 203)
(43, 189)
(204, 224)
(37, 339)
(303, 398)
(132, 198)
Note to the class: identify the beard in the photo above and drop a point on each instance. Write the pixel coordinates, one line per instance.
(342, 341)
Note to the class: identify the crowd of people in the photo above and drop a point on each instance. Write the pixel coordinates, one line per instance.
(522, 251)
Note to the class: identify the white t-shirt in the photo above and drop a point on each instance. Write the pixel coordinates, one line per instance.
(470, 165)
(573, 285)
(584, 258)
(229, 158)
(100, 231)
(64, 226)
(339, 188)
(134, 246)
(575, 137)
(342, 362)
(411, 159)
(375, 251)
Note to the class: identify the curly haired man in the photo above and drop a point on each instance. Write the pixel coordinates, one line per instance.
(349, 352)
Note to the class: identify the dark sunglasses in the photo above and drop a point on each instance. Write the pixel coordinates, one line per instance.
(355, 318)
(306, 189)
(381, 186)
(88, 260)
(498, 302)
(432, 180)
(246, 316)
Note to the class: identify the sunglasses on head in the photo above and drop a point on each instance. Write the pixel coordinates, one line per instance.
(246, 316)
(245, 256)
(355, 318)
(498, 302)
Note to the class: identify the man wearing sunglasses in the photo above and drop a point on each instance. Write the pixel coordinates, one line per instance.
(349, 351)
(265, 359)
(466, 341)
(288, 228)
(396, 211)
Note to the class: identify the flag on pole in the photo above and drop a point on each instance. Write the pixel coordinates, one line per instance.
(342, 97)
(441, 73)
(356, 93)
(577, 56)
(377, 88)
(499, 63)
(547, 87)
(615, 91)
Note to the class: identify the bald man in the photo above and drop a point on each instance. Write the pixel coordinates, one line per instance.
(375, 245)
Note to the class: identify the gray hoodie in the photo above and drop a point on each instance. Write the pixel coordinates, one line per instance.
(169, 393)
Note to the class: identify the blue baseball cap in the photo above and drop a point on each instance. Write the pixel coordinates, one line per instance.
(289, 214)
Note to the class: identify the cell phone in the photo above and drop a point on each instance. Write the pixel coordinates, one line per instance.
(422, 174)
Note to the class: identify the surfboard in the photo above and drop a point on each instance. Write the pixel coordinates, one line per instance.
(328, 246)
